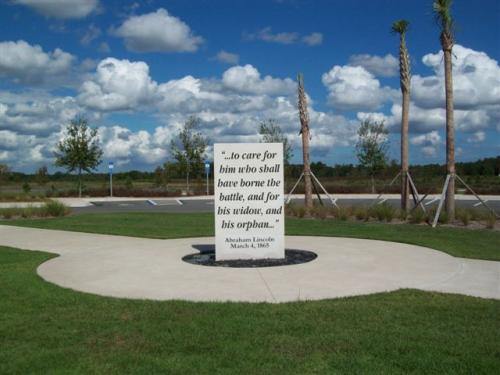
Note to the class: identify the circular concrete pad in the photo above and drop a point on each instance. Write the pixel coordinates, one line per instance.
(344, 267)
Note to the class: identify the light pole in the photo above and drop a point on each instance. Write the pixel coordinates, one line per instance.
(207, 172)
(111, 166)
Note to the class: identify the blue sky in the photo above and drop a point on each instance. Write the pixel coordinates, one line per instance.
(137, 70)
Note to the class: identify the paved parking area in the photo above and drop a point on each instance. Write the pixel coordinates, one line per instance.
(206, 204)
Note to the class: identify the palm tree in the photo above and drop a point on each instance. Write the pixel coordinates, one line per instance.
(401, 27)
(444, 19)
(304, 130)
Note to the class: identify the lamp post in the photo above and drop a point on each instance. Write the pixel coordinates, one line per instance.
(111, 166)
(207, 172)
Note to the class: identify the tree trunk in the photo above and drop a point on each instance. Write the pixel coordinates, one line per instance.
(79, 182)
(187, 182)
(404, 151)
(450, 134)
(304, 130)
(307, 170)
(373, 183)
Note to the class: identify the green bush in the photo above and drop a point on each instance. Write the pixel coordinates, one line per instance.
(290, 209)
(26, 188)
(490, 221)
(54, 209)
(443, 217)
(361, 213)
(341, 212)
(321, 212)
(300, 211)
(382, 212)
(418, 216)
(464, 216)
(49, 209)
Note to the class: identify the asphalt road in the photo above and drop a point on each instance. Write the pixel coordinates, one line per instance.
(207, 205)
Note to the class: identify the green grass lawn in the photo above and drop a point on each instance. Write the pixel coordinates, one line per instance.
(47, 329)
(467, 243)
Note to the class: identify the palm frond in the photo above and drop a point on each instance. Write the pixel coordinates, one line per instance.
(400, 26)
(442, 13)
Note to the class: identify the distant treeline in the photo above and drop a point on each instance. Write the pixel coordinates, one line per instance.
(482, 167)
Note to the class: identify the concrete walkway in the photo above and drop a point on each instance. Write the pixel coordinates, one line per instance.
(152, 269)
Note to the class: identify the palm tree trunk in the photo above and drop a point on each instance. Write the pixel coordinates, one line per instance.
(307, 170)
(404, 151)
(450, 134)
(306, 136)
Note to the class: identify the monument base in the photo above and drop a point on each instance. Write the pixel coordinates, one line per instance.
(206, 257)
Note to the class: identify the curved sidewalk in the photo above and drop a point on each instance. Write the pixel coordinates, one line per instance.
(152, 269)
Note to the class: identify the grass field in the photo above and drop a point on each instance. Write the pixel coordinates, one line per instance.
(478, 244)
(47, 329)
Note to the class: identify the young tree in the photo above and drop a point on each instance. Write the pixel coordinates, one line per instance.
(189, 149)
(159, 177)
(42, 175)
(271, 132)
(371, 147)
(79, 150)
(306, 136)
(401, 27)
(442, 12)
(4, 172)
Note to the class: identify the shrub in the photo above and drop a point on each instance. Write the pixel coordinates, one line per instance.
(28, 211)
(443, 217)
(388, 212)
(475, 214)
(290, 209)
(54, 209)
(382, 212)
(8, 213)
(321, 212)
(26, 188)
(417, 216)
(464, 216)
(361, 213)
(490, 221)
(342, 213)
(300, 212)
(402, 215)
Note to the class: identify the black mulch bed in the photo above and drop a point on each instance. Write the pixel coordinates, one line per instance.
(207, 258)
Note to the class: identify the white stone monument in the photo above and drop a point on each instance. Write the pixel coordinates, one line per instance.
(249, 200)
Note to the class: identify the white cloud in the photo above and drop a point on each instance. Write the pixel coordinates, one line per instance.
(63, 9)
(354, 88)
(477, 137)
(383, 66)
(92, 32)
(123, 146)
(158, 32)
(35, 114)
(28, 63)
(8, 139)
(266, 34)
(476, 80)
(432, 139)
(246, 79)
(313, 39)
(118, 85)
(429, 151)
(227, 57)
